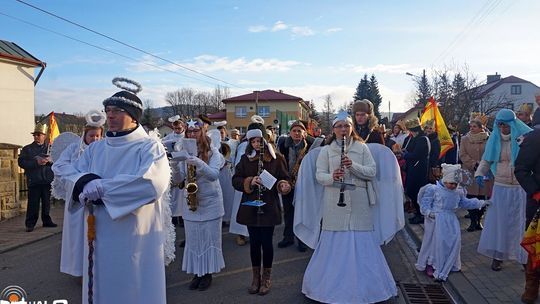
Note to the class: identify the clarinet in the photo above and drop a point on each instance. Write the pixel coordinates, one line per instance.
(260, 170)
(341, 202)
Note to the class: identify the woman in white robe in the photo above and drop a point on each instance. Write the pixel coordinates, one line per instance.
(71, 254)
(359, 273)
(504, 224)
(203, 253)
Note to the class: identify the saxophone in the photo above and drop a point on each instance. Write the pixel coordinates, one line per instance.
(192, 188)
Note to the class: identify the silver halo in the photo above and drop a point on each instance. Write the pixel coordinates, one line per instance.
(121, 82)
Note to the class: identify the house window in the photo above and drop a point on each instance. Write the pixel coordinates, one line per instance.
(240, 112)
(515, 89)
(264, 111)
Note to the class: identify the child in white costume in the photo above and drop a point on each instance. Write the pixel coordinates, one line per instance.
(441, 246)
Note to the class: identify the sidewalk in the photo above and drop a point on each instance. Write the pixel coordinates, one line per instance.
(477, 283)
(13, 234)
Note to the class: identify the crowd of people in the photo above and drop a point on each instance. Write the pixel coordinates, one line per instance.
(329, 193)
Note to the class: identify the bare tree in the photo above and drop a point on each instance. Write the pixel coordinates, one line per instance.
(328, 109)
(181, 101)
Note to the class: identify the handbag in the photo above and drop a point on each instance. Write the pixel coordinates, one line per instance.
(531, 241)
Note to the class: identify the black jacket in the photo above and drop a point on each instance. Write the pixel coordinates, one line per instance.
(36, 174)
(416, 162)
(527, 164)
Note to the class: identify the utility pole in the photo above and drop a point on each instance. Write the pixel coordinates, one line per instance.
(256, 102)
(389, 118)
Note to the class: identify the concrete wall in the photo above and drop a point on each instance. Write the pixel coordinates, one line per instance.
(17, 102)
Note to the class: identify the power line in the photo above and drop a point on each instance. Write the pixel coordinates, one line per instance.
(478, 18)
(126, 44)
(103, 49)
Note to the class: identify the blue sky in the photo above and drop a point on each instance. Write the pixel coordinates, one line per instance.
(305, 48)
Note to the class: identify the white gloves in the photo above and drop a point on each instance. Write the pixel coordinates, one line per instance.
(92, 191)
(195, 161)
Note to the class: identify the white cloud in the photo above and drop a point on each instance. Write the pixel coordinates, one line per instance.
(302, 31)
(210, 63)
(382, 68)
(257, 28)
(279, 26)
(333, 30)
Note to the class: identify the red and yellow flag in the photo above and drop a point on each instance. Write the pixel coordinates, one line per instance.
(431, 112)
(53, 131)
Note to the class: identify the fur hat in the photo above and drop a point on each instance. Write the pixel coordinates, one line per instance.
(451, 173)
(363, 105)
(299, 124)
(126, 99)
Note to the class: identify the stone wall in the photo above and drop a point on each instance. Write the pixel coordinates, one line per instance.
(10, 205)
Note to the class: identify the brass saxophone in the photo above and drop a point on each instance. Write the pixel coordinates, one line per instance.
(192, 188)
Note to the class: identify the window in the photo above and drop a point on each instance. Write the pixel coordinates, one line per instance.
(240, 112)
(264, 111)
(515, 89)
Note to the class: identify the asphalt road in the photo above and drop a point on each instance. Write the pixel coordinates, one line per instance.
(34, 267)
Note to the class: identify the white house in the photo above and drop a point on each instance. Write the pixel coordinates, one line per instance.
(509, 92)
(17, 82)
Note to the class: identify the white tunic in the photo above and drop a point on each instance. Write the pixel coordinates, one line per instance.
(234, 227)
(71, 257)
(131, 226)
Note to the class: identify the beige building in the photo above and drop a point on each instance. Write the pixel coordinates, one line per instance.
(276, 108)
(17, 82)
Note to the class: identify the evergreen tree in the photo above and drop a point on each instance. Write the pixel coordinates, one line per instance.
(363, 89)
(375, 95)
(423, 90)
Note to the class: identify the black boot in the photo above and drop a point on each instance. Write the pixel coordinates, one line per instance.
(473, 215)
(206, 281)
(479, 218)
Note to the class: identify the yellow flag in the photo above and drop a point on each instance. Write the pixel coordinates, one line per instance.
(431, 112)
(53, 131)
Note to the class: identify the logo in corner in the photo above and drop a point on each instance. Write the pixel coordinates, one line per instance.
(13, 294)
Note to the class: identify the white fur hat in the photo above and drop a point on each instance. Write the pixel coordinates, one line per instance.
(450, 173)
(254, 133)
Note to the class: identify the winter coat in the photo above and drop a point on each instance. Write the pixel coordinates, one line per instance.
(36, 174)
(245, 170)
(356, 215)
(471, 151)
(416, 166)
(527, 169)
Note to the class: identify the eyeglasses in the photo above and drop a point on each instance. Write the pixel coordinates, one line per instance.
(114, 110)
(342, 126)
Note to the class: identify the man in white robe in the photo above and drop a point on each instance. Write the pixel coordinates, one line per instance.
(126, 177)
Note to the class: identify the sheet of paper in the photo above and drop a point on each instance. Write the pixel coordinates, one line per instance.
(190, 146)
(180, 155)
(267, 179)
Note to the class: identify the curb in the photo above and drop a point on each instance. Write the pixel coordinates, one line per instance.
(34, 240)
(457, 283)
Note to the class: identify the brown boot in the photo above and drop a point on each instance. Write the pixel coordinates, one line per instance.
(266, 281)
(256, 281)
(532, 279)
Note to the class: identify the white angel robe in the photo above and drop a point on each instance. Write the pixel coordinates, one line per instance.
(133, 226)
(307, 227)
(234, 227)
(441, 245)
(71, 256)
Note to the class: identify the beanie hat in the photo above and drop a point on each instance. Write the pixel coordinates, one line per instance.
(363, 105)
(342, 116)
(451, 173)
(126, 99)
